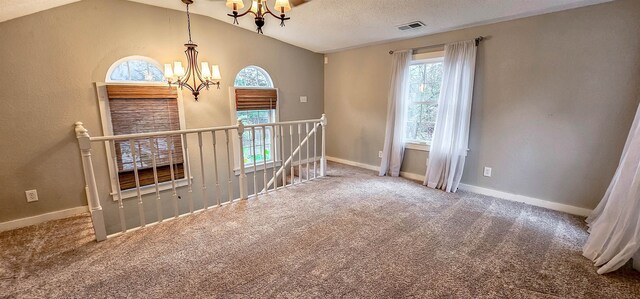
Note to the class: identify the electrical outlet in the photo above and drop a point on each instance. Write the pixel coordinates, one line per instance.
(380, 154)
(32, 195)
(487, 171)
(303, 99)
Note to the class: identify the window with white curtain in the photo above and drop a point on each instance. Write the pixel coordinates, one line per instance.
(424, 81)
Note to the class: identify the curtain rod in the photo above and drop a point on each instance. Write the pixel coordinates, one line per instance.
(477, 39)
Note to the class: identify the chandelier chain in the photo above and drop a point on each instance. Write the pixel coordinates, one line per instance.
(189, 24)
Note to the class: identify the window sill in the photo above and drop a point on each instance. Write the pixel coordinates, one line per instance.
(130, 193)
(417, 146)
(260, 166)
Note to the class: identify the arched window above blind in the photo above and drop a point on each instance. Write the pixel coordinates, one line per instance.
(253, 76)
(135, 69)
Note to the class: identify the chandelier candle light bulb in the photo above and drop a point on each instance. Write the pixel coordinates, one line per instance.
(259, 10)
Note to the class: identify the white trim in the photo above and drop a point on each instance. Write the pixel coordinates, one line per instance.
(33, 220)
(527, 200)
(148, 189)
(412, 176)
(486, 191)
(248, 168)
(107, 130)
(235, 140)
(417, 146)
(352, 163)
(428, 57)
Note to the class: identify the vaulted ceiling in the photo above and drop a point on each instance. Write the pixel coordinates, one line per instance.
(331, 25)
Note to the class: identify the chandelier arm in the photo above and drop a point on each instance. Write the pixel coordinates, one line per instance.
(187, 74)
(267, 10)
(243, 14)
(192, 57)
(189, 87)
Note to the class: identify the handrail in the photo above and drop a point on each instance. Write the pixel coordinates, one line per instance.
(85, 142)
(190, 131)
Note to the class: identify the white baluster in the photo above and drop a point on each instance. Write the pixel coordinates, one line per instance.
(215, 169)
(284, 166)
(205, 199)
(154, 164)
(243, 177)
(323, 159)
(274, 145)
(264, 158)
(254, 154)
(306, 129)
(137, 179)
(291, 141)
(315, 151)
(97, 216)
(123, 223)
(174, 196)
(230, 166)
(299, 153)
(187, 170)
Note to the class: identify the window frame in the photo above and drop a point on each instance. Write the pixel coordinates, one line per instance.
(107, 130)
(248, 168)
(429, 57)
(260, 70)
(116, 64)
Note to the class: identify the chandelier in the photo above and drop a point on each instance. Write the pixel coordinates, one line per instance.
(259, 9)
(205, 76)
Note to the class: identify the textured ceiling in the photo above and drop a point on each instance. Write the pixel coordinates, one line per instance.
(331, 25)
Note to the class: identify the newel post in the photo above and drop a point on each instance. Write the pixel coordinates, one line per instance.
(243, 175)
(91, 188)
(323, 158)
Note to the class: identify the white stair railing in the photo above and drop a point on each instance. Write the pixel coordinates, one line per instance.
(297, 151)
(207, 177)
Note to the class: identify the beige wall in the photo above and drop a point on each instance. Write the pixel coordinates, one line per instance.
(554, 99)
(50, 60)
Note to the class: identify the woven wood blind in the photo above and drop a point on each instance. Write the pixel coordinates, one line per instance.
(144, 109)
(256, 99)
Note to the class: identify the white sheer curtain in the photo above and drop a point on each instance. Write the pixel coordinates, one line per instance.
(451, 136)
(393, 150)
(615, 224)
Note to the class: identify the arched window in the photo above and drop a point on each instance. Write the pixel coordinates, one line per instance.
(135, 69)
(253, 76)
(255, 100)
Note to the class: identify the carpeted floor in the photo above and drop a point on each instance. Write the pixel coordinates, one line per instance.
(352, 234)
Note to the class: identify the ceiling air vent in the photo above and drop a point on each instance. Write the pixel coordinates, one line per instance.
(411, 26)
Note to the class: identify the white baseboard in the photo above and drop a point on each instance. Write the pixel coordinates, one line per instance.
(412, 176)
(485, 191)
(18, 223)
(408, 175)
(352, 163)
(527, 200)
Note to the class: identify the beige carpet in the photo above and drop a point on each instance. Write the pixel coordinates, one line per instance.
(352, 234)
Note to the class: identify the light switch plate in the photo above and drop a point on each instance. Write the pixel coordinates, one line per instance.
(303, 99)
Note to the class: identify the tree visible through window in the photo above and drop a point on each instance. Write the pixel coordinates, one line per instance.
(256, 81)
(135, 69)
(253, 76)
(425, 78)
